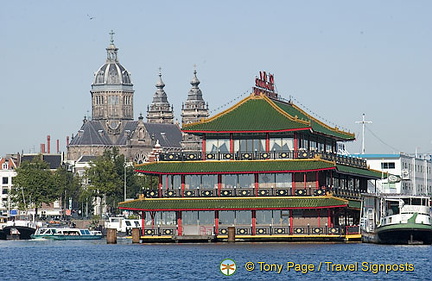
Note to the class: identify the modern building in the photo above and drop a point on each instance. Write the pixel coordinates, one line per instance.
(112, 121)
(411, 175)
(266, 167)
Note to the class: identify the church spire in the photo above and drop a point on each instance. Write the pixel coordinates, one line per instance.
(160, 110)
(195, 108)
(112, 49)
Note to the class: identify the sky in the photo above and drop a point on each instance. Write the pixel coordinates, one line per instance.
(336, 59)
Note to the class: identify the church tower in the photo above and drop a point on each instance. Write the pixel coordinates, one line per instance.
(193, 110)
(112, 91)
(160, 111)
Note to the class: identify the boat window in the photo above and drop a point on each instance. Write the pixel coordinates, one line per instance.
(416, 201)
(128, 223)
(137, 224)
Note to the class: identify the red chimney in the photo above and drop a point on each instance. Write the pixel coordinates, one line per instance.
(58, 146)
(49, 144)
(42, 148)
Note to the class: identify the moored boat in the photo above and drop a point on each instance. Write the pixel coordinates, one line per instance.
(396, 219)
(20, 227)
(66, 234)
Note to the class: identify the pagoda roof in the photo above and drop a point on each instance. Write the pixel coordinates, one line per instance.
(233, 203)
(247, 167)
(260, 114)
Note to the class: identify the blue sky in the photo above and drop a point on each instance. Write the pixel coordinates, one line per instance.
(338, 59)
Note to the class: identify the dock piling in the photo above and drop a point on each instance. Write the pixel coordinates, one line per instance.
(111, 236)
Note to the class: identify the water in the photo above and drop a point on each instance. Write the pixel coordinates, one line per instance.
(96, 260)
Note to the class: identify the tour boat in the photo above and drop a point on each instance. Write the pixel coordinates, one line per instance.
(66, 234)
(396, 219)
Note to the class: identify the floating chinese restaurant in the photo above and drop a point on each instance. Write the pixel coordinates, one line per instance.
(267, 170)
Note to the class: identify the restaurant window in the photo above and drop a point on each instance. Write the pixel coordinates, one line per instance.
(387, 165)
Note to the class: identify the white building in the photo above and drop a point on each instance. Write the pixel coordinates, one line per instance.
(7, 173)
(413, 174)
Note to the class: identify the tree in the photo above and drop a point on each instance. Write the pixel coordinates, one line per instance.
(34, 184)
(104, 178)
(68, 184)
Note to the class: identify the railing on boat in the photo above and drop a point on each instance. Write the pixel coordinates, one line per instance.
(279, 155)
(260, 230)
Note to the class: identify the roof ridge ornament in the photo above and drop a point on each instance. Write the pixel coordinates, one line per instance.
(265, 85)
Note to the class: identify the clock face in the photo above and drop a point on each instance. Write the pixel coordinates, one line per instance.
(113, 124)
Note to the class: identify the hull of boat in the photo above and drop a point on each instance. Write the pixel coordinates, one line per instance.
(24, 232)
(409, 233)
(68, 237)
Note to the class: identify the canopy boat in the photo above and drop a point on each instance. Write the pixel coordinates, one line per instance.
(396, 219)
(66, 234)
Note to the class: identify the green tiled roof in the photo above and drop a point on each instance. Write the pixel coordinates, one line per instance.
(354, 204)
(261, 114)
(317, 125)
(357, 171)
(233, 203)
(232, 167)
(250, 115)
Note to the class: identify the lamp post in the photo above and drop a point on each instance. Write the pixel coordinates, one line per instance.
(124, 181)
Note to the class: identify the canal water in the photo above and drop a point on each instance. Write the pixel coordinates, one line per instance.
(96, 260)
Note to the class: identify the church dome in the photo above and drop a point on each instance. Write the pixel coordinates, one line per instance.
(112, 72)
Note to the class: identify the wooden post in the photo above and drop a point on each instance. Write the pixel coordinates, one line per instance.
(112, 236)
(231, 234)
(135, 235)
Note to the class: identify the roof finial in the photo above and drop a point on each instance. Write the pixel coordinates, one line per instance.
(160, 71)
(112, 37)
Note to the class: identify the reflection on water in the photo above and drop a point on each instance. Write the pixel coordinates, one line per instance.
(96, 260)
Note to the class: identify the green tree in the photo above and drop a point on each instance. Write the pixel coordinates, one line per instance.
(34, 184)
(104, 177)
(68, 184)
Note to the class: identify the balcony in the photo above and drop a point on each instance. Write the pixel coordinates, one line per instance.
(273, 155)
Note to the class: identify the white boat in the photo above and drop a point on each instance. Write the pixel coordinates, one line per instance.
(20, 227)
(66, 234)
(123, 225)
(396, 219)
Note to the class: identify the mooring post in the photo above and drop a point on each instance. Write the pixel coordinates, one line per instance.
(231, 234)
(112, 236)
(135, 235)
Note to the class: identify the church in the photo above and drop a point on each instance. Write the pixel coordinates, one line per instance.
(112, 123)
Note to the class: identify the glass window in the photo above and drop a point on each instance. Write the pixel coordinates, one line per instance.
(229, 181)
(266, 180)
(246, 180)
(206, 217)
(284, 180)
(217, 145)
(387, 165)
(192, 181)
(243, 217)
(5, 180)
(264, 217)
(226, 217)
(209, 181)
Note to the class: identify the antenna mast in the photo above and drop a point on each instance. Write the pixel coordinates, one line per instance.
(363, 122)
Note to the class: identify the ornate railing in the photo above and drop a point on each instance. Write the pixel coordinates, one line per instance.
(291, 154)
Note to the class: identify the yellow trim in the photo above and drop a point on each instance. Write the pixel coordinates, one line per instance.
(220, 113)
(323, 124)
(352, 236)
(238, 161)
(278, 109)
(237, 198)
(284, 236)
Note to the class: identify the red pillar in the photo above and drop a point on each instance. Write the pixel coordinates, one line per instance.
(267, 143)
(182, 185)
(231, 143)
(319, 217)
(142, 222)
(253, 222)
(316, 180)
(160, 186)
(296, 146)
(293, 183)
(216, 222)
(256, 184)
(329, 222)
(291, 227)
(179, 223)
(203, 148)
(219, 184)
